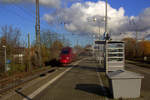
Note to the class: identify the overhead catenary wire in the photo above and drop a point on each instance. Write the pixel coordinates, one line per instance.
(13, 12)
(30, 13)
(24, 15)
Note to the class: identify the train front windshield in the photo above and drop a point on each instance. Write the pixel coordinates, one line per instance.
(65, 52)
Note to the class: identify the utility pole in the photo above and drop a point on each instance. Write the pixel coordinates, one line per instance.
(29, 54)
(99, 34)
(136, 41)
(5, 69)
(63, 39)
(107, 37)
(106, 18)
(37, 30)
(77, 42)
(136, 35)
(99, 31)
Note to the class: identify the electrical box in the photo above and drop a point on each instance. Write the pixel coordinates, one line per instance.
(125, 84)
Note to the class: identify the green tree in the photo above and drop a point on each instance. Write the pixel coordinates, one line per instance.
(56, 49)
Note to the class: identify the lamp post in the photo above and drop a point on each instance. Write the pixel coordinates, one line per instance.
(94, 19)
(106, 18)
(5, 57)
(107, 38)
(132, 22)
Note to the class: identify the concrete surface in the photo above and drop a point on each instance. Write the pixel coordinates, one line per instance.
(80, 83)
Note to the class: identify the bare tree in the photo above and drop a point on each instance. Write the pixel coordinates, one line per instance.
(12, 35)
(10, 38)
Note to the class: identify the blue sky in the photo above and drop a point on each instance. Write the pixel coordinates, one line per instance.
(132, 7)
(22, 15)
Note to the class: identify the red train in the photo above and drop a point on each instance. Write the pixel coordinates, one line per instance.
(67, 55)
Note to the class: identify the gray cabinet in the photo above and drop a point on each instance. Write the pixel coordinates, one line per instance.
(125, 84)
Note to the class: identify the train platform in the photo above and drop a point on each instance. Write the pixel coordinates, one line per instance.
(82, 80)
(78, 81)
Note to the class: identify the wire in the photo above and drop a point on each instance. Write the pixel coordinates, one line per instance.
(13, 12)
(24, 11)
(29, 14)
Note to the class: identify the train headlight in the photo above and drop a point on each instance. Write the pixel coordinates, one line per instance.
(67, 58)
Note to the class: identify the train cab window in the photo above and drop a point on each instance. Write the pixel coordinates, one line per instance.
(65, 52)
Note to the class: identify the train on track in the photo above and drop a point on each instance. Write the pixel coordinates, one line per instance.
(67, 55)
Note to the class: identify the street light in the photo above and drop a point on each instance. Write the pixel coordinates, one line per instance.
(5, 57)
(106, 38)
(132, 22)
(95, 19)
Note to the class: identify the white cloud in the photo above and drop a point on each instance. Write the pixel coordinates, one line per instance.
(48, 18)
(11, 1)
(76, 19)
(50, 3)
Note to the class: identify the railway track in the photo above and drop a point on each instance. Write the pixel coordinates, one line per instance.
(12, 82)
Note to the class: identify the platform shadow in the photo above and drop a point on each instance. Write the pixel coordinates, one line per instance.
(90, 68)
(53, 63)
(23, 95)
(94, 89)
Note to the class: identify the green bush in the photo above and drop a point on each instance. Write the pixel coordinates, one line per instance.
(16, 68)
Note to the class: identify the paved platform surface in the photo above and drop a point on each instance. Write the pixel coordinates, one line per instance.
(80, 83)
(145, 87)
(84, 81)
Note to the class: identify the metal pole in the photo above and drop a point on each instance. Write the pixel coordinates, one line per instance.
(77, 42)
(29, 65)
(37, 22)
(38, 44)
(106, 18)
(106, 56)
(99, 31)
(63, 39)
(36, 33)
(136, 37)
(106, 45)
(136, 41)
(5, 59)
